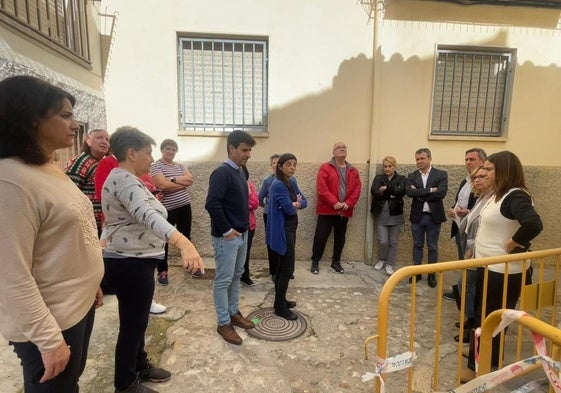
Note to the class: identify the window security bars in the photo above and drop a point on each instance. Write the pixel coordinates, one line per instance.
(471, 92)
(223, 84)
(61, 22)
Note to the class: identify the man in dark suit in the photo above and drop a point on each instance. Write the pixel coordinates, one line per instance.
(427, 187)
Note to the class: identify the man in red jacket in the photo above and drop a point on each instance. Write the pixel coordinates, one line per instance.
(338, 186)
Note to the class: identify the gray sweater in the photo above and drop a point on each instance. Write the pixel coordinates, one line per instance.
(135, 221)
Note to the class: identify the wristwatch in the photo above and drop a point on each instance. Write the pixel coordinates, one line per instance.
(173, 180)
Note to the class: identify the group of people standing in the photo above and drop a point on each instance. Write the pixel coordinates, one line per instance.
(49, 294)
(427, 187)
(493, 215)
(127, 209)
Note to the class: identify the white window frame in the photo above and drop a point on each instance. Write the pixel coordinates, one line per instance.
(472, 91)
(223, 83)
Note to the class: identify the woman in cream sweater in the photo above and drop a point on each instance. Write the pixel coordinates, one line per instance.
(51, 258)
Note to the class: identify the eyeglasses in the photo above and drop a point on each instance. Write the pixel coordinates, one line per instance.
(340, 148)
(479, 177)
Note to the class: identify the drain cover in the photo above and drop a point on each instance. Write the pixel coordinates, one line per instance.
(269, 326)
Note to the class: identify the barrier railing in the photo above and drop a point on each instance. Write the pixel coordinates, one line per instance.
(539, 298)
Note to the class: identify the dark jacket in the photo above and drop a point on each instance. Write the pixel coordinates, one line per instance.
(437, 178)
(471, 204)
(280, 206)
(393, 193)
(227, 201)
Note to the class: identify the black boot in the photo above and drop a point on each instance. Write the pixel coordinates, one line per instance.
(431, 280)
(286, 314)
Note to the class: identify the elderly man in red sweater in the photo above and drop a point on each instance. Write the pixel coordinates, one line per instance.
(338, 187)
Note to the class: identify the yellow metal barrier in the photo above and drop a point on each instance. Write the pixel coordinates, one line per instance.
(535, 325)
(539, 298)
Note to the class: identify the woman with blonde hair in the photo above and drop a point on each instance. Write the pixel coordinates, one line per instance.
(387, 192)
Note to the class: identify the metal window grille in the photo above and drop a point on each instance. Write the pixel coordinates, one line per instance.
(471, 92)
(223, 84)
(61, 22)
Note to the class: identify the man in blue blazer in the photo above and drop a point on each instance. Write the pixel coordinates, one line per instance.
(427, 187)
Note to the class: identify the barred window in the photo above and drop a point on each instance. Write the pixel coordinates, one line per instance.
(223, 84)
(472, 89)
(61, 24)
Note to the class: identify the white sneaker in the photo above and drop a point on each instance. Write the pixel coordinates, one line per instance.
(389, 270)
(379, 265)
(156, 308)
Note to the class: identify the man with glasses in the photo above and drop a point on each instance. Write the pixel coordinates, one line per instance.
(81, 169)
(474, 158)
(338, 187)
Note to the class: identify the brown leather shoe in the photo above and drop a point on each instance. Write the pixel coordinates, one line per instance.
(229, 334)
(467, 375)
(239, 321)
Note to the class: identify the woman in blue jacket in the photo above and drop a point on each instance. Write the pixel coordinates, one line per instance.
(285, 198)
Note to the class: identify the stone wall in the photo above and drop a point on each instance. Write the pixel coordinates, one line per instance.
(542, 182)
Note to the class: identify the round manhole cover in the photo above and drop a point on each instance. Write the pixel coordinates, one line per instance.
(269, 326)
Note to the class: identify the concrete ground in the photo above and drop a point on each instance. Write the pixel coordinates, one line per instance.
(329, 357)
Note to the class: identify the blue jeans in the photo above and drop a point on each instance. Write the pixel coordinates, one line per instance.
(432, 231)
(471, 288)
(388, 236)
(230, 258)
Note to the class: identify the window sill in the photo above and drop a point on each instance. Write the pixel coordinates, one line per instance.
(255, 134)
(467, 138)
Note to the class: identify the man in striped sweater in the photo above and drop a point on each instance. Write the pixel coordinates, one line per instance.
(81, 169)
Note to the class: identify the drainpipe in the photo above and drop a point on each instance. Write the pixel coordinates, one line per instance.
(377, 62)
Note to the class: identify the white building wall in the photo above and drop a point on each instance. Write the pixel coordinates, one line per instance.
(309, 43)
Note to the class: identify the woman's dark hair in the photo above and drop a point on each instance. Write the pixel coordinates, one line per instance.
(282, 159)
(279, 175)
(509, 172)
(24, 100)
(168, 142)
(126, 138)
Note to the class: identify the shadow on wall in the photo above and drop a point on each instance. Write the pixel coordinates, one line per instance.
(343, 113)
(314, 123)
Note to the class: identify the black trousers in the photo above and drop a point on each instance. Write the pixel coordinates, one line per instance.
(78, 337)
(250, 234)
(181, 218)
(495, 302)
(285, 269)
(271, 255)
(323, 230)
(133, 282)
